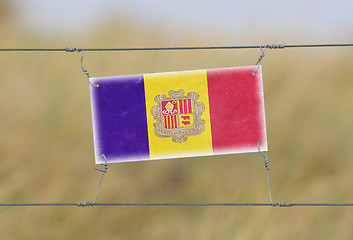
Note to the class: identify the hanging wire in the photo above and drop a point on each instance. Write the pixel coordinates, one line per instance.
(83, 69)
(260, 59)
(103, 172)
(271, 46)
(263, 154)
(271, 204)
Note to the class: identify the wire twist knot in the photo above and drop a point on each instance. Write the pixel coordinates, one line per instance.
(84, 204)
(283, 204)
(105, 164)
(68, 49)
(260, 59)
(267, 164)
(263, 154)
(263, 48)
(276, 46)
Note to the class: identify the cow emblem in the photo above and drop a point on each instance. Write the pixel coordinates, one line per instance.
(178, 116)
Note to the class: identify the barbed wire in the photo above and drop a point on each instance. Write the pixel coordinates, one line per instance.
(269, 46)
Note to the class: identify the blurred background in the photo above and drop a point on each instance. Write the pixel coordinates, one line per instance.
(46, 141)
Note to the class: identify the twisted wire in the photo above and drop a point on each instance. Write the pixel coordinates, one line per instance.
(82, 67)
(263, 154)
(103, 172)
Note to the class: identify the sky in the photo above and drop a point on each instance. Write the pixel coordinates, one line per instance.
(313, 20)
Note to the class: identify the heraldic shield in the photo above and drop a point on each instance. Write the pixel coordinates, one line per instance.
(178, 116)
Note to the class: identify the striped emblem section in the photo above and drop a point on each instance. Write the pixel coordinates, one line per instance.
(170, 122)
(185, 106)
(189, 81)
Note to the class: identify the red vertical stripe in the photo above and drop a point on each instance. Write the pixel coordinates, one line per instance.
(172, 121)
(185, 106)
(168, 117)
(181, 106)
(175, 121)
(165, 121)
(236, 109)
(189, 106)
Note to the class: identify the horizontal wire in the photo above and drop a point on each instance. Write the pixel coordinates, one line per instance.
(86, 204)
(272, 46)
(35, 204)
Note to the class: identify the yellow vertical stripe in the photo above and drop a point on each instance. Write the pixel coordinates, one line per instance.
(162, 83)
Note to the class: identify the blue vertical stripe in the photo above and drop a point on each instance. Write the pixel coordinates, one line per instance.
(119, 118)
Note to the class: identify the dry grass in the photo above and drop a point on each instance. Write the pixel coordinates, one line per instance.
(47, 149)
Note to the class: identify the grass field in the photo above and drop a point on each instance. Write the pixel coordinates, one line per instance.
(46, 146)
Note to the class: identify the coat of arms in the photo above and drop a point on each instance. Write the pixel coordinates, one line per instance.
(178, 116)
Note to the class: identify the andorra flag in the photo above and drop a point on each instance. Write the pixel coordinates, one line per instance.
(178, 114)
